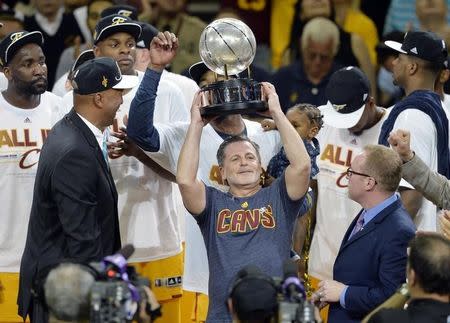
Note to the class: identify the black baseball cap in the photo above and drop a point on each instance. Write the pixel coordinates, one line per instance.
(147, 34)
(112, 24)
(253, 294)
(422, 44)
(15, 41)
(82, 58)
(382, 50)
(197, 70)
(100, 74)
(347, 93)
(121, 9)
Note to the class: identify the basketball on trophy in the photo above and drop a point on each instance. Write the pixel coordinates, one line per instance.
(227, 43)
(227, 47)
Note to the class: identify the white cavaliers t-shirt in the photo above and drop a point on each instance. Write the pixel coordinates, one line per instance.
(22, 133)
(196, 271)
(148, 214)
(335, 210)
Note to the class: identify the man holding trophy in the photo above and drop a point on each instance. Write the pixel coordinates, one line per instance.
(164, 142)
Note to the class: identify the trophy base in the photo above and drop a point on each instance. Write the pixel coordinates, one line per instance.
(247, 107)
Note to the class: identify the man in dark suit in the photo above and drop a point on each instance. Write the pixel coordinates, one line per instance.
(371, 262)
(428, 283)
(74, 213)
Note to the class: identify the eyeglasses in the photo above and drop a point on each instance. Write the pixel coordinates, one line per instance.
(351, 172)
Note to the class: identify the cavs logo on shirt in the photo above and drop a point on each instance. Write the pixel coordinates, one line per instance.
(241, 221)
(339, 156)
(17, 138)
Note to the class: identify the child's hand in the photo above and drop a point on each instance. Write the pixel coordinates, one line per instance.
(268, 124)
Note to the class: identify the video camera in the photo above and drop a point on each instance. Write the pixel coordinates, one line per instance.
(118, 290)
(293, 306)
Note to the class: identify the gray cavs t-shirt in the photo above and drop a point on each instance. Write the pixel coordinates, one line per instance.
(241, 231)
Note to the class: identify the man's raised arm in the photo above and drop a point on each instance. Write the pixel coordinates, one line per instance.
(297, 173)
(192, 190)
(140, 120)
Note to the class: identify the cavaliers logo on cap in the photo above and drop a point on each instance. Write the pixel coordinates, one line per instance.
(124, 12)
(118, 20)
(339, 107)
(105, 81)
(16, 36)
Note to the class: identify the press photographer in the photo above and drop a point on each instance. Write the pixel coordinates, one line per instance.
(100, 292)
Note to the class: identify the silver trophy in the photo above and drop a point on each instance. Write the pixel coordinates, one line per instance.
(227, 47)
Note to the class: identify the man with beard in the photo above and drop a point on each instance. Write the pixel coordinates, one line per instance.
(27, 113)
(352, 121)
(74, 214)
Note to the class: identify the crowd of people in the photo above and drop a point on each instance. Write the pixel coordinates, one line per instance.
(103, 143)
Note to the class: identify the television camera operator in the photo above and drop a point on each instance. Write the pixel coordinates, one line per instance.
(67, 290)
(72, 292)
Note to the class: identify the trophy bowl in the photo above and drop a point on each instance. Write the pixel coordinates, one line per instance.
(227, 47)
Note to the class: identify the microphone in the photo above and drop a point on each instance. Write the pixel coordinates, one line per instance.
(117, 263)
(126, 251)
(292, 287)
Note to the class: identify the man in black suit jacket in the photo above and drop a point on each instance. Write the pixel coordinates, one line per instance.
(371, 262)
(74, 213)
(428, 283)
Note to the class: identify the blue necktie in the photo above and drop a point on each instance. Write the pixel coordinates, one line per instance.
(105, 149)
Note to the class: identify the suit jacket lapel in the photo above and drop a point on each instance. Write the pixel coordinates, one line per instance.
(92, 141)
(369, 227)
